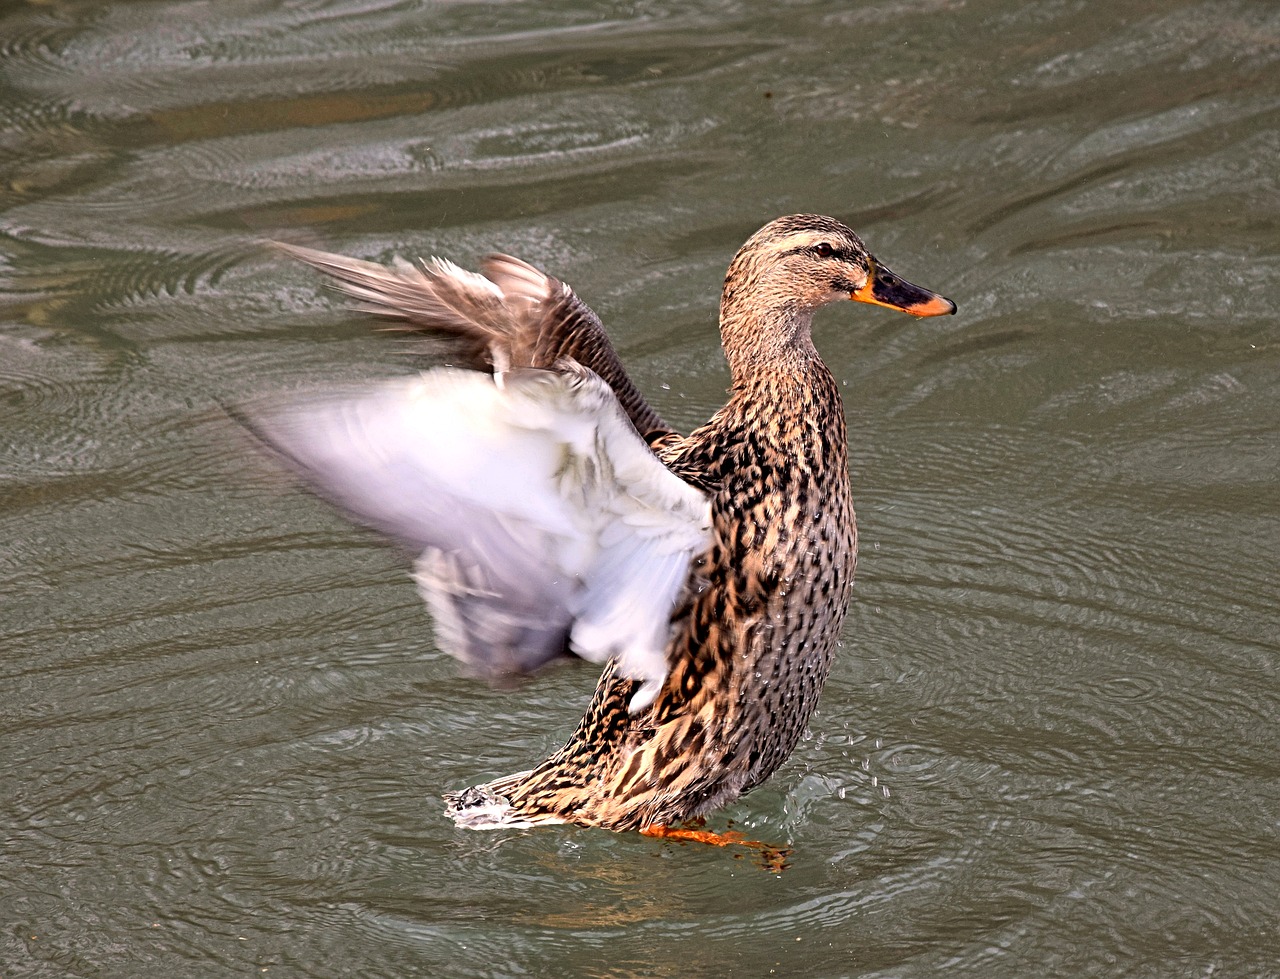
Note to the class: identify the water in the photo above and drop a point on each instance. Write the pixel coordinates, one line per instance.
(1050, 746)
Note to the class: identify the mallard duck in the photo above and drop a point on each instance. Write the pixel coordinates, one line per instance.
(554, 513)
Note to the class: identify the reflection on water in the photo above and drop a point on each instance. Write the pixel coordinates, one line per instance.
(1049, 748)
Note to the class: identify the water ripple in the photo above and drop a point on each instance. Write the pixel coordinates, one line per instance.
(1047, 746)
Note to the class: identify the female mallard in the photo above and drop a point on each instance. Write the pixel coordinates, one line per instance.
(554, 512)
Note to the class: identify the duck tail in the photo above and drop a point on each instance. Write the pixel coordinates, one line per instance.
(488, 806)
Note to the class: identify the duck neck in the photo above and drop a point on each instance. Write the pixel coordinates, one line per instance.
(766, 341)
(784, 399)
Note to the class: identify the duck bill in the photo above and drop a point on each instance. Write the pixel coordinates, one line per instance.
(884, 288)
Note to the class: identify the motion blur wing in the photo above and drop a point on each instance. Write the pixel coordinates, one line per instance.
(541, 519)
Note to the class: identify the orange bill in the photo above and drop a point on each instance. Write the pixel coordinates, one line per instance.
(884, 288)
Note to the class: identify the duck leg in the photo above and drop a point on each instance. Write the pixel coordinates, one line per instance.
(768, 855)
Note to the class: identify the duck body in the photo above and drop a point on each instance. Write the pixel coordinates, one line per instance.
(721, 624)
(753, 635)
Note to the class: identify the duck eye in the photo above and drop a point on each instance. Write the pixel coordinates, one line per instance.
(823, 250)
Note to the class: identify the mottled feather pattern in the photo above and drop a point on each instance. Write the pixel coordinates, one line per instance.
(718, 622)
(753, 638)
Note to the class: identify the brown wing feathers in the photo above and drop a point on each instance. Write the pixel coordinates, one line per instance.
(511, 316)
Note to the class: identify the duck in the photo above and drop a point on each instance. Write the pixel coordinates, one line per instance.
(552, 513)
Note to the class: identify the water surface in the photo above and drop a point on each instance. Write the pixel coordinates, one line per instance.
(1050, 745)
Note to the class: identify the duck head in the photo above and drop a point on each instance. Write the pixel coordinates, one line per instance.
(794, 266)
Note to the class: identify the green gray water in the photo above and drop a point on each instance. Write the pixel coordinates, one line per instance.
(1051, 746)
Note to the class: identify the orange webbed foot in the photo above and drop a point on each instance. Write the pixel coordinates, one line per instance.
(768, 856)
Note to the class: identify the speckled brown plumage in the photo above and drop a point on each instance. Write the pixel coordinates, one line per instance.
(753, 634)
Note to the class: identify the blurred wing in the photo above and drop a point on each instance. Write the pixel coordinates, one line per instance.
(513, 315)
(541, 518)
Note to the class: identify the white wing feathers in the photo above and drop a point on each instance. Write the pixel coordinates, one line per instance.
(541, 517)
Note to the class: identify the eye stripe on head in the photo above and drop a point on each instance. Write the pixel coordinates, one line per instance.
(823, 249)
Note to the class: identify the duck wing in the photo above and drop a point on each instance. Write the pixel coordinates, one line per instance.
(541, 521)
(513, 315)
